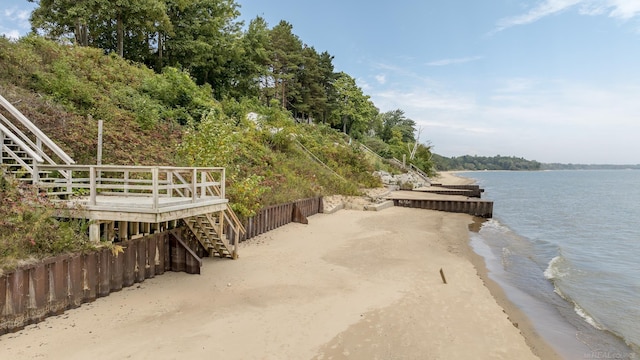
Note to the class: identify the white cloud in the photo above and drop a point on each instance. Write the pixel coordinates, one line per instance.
(445, 62)
(546, 8)
(546, 120)
(11, 34)
(422, 99)
(23, 15)
(381, 79)
(621, 9)
(624, 9)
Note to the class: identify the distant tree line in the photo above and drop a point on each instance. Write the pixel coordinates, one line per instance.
(497, 162)
(205, 39)
(557, 166)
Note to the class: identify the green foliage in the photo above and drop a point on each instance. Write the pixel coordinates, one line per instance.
(246, 193)
(265, 162)
(28, 228)
(178, 93)
(497, 162)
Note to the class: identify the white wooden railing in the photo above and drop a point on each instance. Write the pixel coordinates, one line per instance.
(37, 145)
(154, 182)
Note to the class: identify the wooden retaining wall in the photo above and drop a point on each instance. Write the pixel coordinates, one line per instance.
(33, 292)
(480, 208)
(274, 216)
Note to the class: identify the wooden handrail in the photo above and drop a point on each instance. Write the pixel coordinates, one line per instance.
(21, 144)
(36, 131)
(200, 184)
(229, 214)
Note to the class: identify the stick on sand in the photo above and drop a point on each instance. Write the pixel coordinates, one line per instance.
(444, 280)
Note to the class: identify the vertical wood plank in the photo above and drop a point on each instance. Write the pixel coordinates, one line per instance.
(105, 260)
(75, 288)
(59, 284)
(150, 265)
(38, 283)
(117, 264)
(141, 260)
(3, 295)
(129, 263)
(90, 276)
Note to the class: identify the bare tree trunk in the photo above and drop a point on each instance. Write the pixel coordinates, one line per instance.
(81, 33)
(160, 45)
(120, 35)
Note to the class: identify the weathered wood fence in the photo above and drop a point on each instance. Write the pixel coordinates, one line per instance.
(31, 293)
(274, 216)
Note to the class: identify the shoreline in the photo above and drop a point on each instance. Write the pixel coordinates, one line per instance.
(519, 319)
(354, 284)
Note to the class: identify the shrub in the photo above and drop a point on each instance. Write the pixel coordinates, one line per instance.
(28, 228)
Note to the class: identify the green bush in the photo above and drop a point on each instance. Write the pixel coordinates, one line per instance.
(28, 228)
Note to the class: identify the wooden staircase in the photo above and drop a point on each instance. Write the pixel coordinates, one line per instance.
(24, 147)
(209, 230)
(29, 155)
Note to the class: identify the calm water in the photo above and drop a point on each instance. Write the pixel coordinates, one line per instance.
(565, 245)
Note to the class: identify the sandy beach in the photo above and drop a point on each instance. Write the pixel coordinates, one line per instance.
(349, 285)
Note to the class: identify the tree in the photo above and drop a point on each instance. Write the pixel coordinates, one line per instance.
(354, 109)
(114, 26)
(205, 41)
(397, 120)
(60, 18)
(286, 58)
(254, 69)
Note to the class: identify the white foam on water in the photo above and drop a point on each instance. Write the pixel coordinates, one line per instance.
(554, 269)
(590, 320)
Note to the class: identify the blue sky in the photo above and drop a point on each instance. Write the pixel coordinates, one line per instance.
(550, 80)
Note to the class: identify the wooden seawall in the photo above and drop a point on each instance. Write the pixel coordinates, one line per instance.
(482, 209)
(463, 199)
(31, 293)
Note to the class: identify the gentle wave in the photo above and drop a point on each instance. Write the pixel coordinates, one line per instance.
(558, 269)
(568, 238)
(494, 224)
(554, 270)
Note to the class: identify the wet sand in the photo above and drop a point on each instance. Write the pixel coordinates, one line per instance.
(349, 285)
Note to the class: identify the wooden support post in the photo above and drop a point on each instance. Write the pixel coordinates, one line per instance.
(92, 185)
(123, 228)
(134, 229)
(94, 232)
(126, 181)
(203, 180)
(194, 184)
(155, 190)
(109, 230)
(146, 228)
(222, 184)
(99, 155)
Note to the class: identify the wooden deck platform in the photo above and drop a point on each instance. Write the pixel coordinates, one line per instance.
(136, 193)
(140, 208)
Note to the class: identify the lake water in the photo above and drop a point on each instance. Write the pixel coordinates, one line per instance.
(565, 246)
